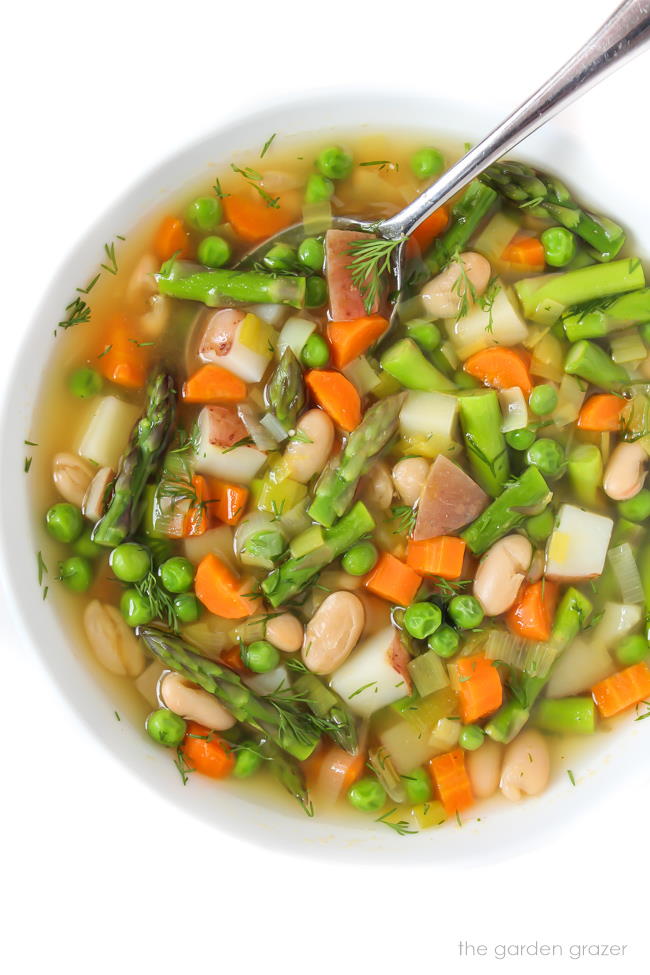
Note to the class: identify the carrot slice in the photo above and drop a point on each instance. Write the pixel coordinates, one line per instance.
(350, 339)
(500, 368)
(479, 687)
(426, 232)
(602, 413)
(254, 220)
(227, 501)
(531, 615)
(171, 238)
(451, 781)
(393, 580)
(196, 519)
(213, 384)
(337, 396)
(232, 659)
(526, 250)
(622, 690)
(206, 753)
(220, 590)
(121, 359)
(442, 556)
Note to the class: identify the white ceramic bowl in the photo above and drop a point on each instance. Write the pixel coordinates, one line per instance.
(503, 828)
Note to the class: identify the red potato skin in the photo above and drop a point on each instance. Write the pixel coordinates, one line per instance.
(450, 500)
(346, 303)
(226, 429)
(219, 333)
(398, 657)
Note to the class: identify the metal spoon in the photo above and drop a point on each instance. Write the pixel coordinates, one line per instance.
(624, 35)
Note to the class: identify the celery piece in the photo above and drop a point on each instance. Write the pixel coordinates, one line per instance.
(428, 673)
(405, 362)
(585, 468)
(279, 497)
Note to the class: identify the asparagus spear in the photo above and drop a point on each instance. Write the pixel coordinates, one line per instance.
(544, 196)
(294, 575)
(585, 467)
(150, 438)
(182, 279)
(325, 704)
(545, 297)
(510, 509)
(594, 321)
(287, 772)
(335, 489)
(276, 716)
(285, 392)
(480, 420)
(466, 215)
(590, 362)
(405, 362)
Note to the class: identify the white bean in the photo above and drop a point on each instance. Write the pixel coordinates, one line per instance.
(484, 768)
(307, 455)
(445, 295)
(377, 486)
(156, 318)
(189, 700)
(72, 475)
(94, 498)
(285, 632)
(409, 476)
(142, 284)
(625, 471)
(526, 766)
(112, 641)
(333, 632)
(501, 572)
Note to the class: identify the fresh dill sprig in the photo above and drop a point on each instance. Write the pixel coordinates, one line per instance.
(218, 192)
(253, 178)
(244, 442)
(371, 260)
(111, 266)
(267, 145)
(42, 567)
(161, 604)
(405, 516)
(401, 827)
(28, 464)
(106, 350)
(382, 164)
(486, 301)
(89, 287)
(78, 314)
(182, 766)
(360, 690)
(463, 287)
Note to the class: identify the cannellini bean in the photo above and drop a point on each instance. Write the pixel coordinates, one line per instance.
(501, 572)
(625, 471)
(112, 641)
(377, 486)
(333, 632)
(285, 632)
(156, 318)
(189, 700)
(72, 476)
(94, 499)
(307, 455)
(409, 475)
(484, 768)
(142, 284)
(526, 766)
(444, 295)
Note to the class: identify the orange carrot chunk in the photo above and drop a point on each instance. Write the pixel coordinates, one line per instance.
(602, 413)
(232, 658)
(500, 368)
(220, 590)
(121, 359)
(351, 339)
(479, 687)
(531, 615)
(227, 502)
(426, 232)
(254, 220)
(442, 556)
(528, 251)
(622, 690)
(206, 753)
(337, 396)
(213, 384)
(196, 519)
(451, 781)
(393, 580)
(171, 238)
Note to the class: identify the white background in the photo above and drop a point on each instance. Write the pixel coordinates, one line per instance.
(98, 875)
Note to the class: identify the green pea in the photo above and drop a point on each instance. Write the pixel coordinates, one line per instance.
(280, 257)
(319, 189)
(539, 527)
(315, 292)
(76, 573)
(136, 608)
(426, 334)
(543, 399)
(367, 795)
(631, 650)
(427, 162)
(311, 254)
(471, 737)
(176, 574)
(422, 619)
(85, 382)
(559, 246)
(445, 641)
(463, 380)
(548, 456)
(166, 728)
(187, 607)
(85, 546)
(64, 522)
(247, 762)
(466, 612)
(260, 656)
(359, 559)
(520, 439)
(315, 352)
(418, 786)
(334, 163)
(130, 562)
(636, 508)
(204, 214)
(214, 252)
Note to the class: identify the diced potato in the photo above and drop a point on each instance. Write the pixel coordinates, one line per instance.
(217, 541)
(107, 433)
(578, 545)
(446, 733)
(250, 345)
(514, 409)
(501, 324)
(581, 666)
(374, 675)
(239, 464)
(294, 334)
(617, 621)
(407, 747)
(272, 314)
(429, 415)
(269, 682)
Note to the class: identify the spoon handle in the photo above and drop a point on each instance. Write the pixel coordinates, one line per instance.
(624, 35)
